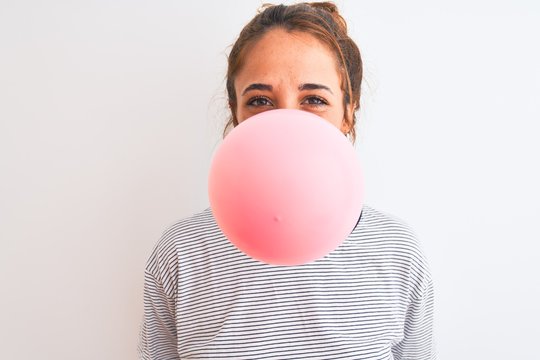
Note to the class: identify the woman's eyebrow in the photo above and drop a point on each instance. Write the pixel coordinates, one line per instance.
(257, 86)
(311, 86)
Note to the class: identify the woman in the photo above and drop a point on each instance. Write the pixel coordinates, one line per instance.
(371, 298)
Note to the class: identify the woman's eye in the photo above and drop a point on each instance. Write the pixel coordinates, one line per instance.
(315, 100)
(259, 101)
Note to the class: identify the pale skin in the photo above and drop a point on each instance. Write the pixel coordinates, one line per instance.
(290, 70)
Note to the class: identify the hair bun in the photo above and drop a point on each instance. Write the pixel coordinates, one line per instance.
(328, 6)
(332, 9)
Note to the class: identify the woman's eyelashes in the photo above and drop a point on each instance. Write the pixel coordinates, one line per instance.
(310, 101)
(315, 101)
(259, 101)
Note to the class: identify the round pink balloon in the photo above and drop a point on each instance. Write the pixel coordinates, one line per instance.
(285, 187)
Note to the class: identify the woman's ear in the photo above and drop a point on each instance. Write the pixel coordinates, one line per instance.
(345, 126)
(348, 120)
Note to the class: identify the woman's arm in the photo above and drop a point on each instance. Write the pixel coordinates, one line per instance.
(418, 340)
(158, 338)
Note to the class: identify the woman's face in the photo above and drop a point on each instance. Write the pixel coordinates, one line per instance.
(290, 71)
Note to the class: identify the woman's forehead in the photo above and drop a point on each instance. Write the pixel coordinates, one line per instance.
(281, 56)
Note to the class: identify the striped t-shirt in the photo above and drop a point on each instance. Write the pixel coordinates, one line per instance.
(371, 298)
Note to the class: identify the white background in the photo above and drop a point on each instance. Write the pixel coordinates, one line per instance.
(110, 112)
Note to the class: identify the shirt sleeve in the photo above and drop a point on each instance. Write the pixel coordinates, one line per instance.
(158, 338)
(418, 340)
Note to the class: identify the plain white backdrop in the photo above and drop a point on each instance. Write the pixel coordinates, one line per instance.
(110, 112)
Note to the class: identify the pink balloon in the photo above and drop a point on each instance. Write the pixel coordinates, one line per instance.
(285, 187)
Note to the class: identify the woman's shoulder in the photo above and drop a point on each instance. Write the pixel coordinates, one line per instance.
(389, 236)
(183, 235)
(376, 220)
(196, 225)
(384, 230)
